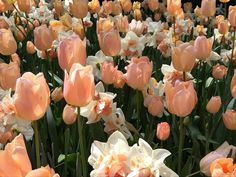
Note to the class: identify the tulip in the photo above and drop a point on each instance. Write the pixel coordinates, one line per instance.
(8, 43)
(42, 172)
(56, 27)
(79, 8)
(222, 151)
(139, 72)
(69, 114)
(6, 136)
(202, 47)
(43, 37)
(79, 86)
(181, 98)
(3, 22)
(108, 35)
(94, 6)
(120, 79)
(173, 7)
(58, 6)
(183, 57)
(153, 4)
(30, 48)
(233, 85)
(214, 104)
(219, 71)
(229, 119)
(232, 16)
(79, 30)
(71, 50)
(223, 27)
(122, 23)
(116, 8)
(9, 73)
(32, 96)
(5, 6)
(15, 58)
(224, 1)
(163, 131)
(108, 72)
(57, 94)
(208, 7)
(154, 104)
(223, 164)
(137, 27)
(126, 5)
(24, 5)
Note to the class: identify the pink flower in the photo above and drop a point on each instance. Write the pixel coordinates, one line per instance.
(163, 131)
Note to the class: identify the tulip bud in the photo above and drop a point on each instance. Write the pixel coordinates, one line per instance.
(58, 7)
(229, 119)
(223, 27)
(233, 85)
(219, 71)
(126, 5)
(173, 7)
(153, 4)
(8, 43)
(214, 104)
(79, 8)
(57, 94)
(24, 5)
(208, 7)
(15, 58)
(69, 114)
(232, 16)
(202, 47)
(116, 8)
(94, 6)
(163, 131)
(108, 72)
(120, 79)
(30, 48)
(155, 105)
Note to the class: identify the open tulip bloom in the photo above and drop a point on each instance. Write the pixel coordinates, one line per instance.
(117, 88)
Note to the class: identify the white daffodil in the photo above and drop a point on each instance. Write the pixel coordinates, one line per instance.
(137, 27)
(96, 62)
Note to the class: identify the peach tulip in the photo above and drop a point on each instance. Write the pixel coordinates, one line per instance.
(42, 172)
(233, 85)
(153, 4)
(116, 8)
(163, 131)
(57, 94)
(107, 7)
(139, 72)
(226, 165)
(79, 8)
(223, 27)
(126, 5)
(3, 23)
(71, 50)
(6, 136)
(173, 7)
(24, 5)
(229, 119)
(232, 16)
(79, 86)
(108, 72)
(214, 104)
(43, 37)
(8, 43)
(9, 73)
(30, 48)
(181, 98)
(58, 6)
(219, 71)
(69, 114)
(208, 7)
(183, 57)
(202, 47)
(120, 79)
(122, 23)
(32, 96)
(154, 104)
(108, 35)
(5, 6)
(94, 6)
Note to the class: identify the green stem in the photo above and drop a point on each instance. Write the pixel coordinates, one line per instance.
(138, 108)
(37, 144)
(52, 73)
(225, 11)
(181, 142)
(232, 54)
(81, 144)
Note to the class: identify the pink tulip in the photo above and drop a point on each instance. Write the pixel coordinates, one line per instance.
(219, 71)
(233, 85)
(163, 131)
(232, 16)
(57, 94)
(71, 50)
(9, 73)
(8, 43)
(79, 86)
(202, 47)
(180, 98)
(108, 35)
(173, 7)
(223, 27)
(154, 104)
(69, 114)
(24, 5)
(139, 72)
(42, 172)
(43, 37)
(229, 119)
(32, 96)
(208, 7)
(214, 104)
(183, 57)
(108, 72)
(120, 79)
(79, 8)
(153, 4)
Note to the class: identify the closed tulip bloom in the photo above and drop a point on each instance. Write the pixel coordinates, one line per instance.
(233, 85)
(232, 16)
(79, 86)
(9, 73)
(214, 104)
(163, 131)
(94, 6)
(229, 119)
(108, 71)
(122, 23)
(120, 79)
(43, 37)
(154, 104)
(126, 5)
(108, 35)
(223, 27)
(173, 7)
(30, 48)
(6, 136)
(79, 8)
(42, 172)
(116, 8)
(3, 22)
(208, 7)
(57, 94)
(181, 98)
(71, 50)
(202, 47)
(58, 6)
(69, 114)
(32, 96)
(8, 43)
(219, 71)
(153, 4)
(183, 57)
(139, 72)
(24, 5)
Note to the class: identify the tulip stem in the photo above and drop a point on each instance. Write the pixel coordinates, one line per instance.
(81, 144)
(138, 108)
(37, 147)
(232, 54)
(174, 31)
(181, 142)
